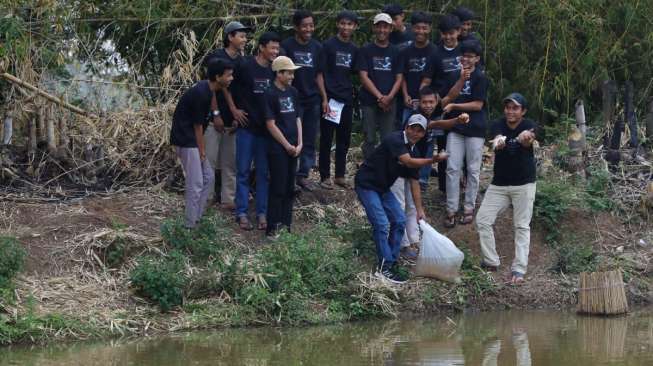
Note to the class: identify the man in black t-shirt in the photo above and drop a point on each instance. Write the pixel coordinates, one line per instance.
(466, 17)
(221, 141)
(255, 76)
(187, 135)
(401, 36)
(396, 156)
(441, 74)
(465, 142)
(309, 82)
(513, 184)
(380, 73)
(283, 121)
(340, 55)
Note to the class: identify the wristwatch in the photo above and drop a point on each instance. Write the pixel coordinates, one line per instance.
(215, 113)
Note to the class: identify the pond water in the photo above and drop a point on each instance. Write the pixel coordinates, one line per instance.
(500, 338)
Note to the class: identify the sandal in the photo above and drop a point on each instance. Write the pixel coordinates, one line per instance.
(244, 223)
(467, 218)
(342, 183)
(450, 221)
(262, 222)
(517, 278)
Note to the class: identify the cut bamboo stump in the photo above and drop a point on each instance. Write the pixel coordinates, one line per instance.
(602, 293)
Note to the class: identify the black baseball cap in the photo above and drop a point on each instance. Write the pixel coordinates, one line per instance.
(471, 46)
(463, 13)
(393, 9)
(236, 26)
(517, 99)
(449, 22)
(347, 14)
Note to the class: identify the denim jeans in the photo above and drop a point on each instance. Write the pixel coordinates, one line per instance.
(388, 223)
(251, 147)
(310, 126)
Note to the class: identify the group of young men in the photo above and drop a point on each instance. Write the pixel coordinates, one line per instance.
(262, 114)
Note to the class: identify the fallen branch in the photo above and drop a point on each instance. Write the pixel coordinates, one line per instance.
(44, 94)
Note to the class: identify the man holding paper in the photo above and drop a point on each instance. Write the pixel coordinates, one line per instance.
(340, 59)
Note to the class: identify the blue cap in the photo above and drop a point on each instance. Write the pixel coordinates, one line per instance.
(517, 99)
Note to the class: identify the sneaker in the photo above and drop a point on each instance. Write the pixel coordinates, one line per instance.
(387, 274)
(326, 184)
(488, 267)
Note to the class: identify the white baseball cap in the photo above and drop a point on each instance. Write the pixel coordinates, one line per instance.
(382, 17)
(283, 63)
(417, 119)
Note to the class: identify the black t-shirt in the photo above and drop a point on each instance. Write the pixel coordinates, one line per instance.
(514, 165)
(193, 108)
(253, 81)
(474, 89)
(382, 168)
(307, 56)
(225, 112)
(282, 106)
(339, 65)
(414, 62)
(444, 69)
(382, 65)
(402, 39)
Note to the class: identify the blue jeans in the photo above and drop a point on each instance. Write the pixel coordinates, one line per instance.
(388, 222)
(251, 147)
(310, 126)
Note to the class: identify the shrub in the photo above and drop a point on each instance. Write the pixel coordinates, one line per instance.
(596, 191)
(576, 258)
(204, 243)
(12, 260)
(161, 280)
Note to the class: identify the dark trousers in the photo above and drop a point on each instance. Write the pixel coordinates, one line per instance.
(310, 125)
(441, 141)
(343, 138)
(282, 190)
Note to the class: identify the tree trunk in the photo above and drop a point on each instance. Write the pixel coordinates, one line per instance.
(649, 123)
(63, 130)
(609, 100)
(8, 129)
(49, 121)
(580, 118)
(31, 137)
(40, 126)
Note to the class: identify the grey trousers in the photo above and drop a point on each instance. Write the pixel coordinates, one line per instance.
(376, 121)
(200, 178)
(403, 194)
(460, 148)
(221, 153)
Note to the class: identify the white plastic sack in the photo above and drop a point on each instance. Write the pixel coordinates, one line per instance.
(438, 256)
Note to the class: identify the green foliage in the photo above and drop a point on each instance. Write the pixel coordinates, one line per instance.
(597, 188)
(204, 243)
(12, 260)
(575, 258)
(161, 280)
(552, 201)
(476, 282)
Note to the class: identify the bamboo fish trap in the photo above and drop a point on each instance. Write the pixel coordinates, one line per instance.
(602, 293)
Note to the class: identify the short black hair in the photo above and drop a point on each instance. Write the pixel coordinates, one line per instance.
(449, 22)
(463, 13)
(301, 14)
(393, 10)
(426, 91)
(347, 14)
(268, 37)
(471, 46)
(420, 17)
(216, 67)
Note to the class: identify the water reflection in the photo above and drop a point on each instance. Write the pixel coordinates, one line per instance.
(508, 338)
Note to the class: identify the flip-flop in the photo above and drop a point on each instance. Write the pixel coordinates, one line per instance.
(467, 218)
(262, 223)
(244, 223)
(450, 221)
(517, 279)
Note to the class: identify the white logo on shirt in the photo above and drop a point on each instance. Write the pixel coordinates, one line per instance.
(286, 105)
(343, 59)
(416, 64)
(261, 85)
(451, 64)
(382, 63)
(304, 59)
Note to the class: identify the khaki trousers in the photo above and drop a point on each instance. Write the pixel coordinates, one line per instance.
(498, 198)
(221, 153)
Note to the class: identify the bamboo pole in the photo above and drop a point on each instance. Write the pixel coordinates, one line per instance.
(40, 125)
(602, 293)
(31, 135)
(49, 127)
(44, 94)
(7, 129)
(629, 114)
(649, 122)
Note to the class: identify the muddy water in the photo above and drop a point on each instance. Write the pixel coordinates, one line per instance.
(502, 338)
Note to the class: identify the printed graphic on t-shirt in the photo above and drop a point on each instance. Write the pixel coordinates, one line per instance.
(416, 64)
(261, 85)
(512, 146)
(304, 59)
(382, 63)
(451, 64)
(286, 105)
(343, 59)
(467, 89)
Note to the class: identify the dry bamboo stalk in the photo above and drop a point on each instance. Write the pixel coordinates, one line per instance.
(49, 122)
(8, 129)
(602, 293)
(44, 94)
(63, 130)
(31, 135)
(40, 125)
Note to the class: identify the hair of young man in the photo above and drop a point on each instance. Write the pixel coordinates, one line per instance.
(300, 15)
(225, 41)
(471, 46)
(449, 22)
(420, 17)
(426, 91)
(463, 13)
(268, 37)
(216, 67)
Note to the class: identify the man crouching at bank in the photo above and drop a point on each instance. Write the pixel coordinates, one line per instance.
(395, 157)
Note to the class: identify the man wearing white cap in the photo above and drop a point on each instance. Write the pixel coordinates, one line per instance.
(282, 119)
(381, 75)
(395, 157)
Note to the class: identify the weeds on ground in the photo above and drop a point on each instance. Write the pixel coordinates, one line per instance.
(161, 280)
(12, 260)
